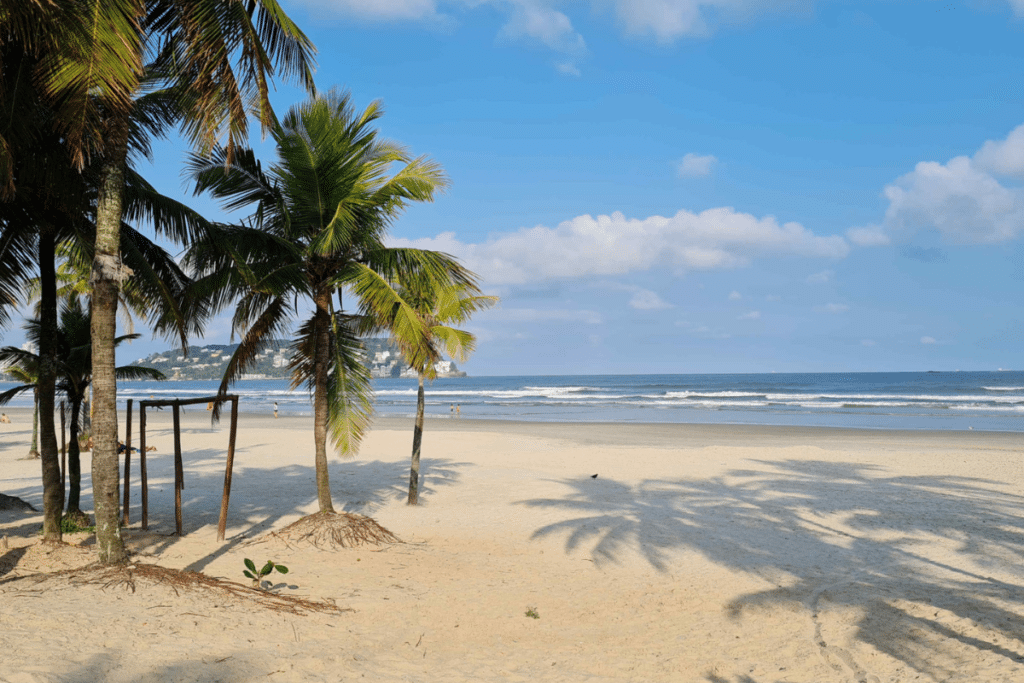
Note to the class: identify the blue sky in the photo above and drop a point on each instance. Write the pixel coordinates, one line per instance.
(704, 185)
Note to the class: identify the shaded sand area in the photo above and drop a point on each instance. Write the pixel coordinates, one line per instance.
(719, 554)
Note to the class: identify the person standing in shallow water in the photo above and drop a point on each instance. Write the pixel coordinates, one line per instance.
(453, 410)
(275, 409)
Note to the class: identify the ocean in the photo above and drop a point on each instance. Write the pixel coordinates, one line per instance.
(991, 401)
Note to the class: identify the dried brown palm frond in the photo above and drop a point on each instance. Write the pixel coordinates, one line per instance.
(334, 530)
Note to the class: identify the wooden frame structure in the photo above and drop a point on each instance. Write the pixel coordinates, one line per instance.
(179, 471)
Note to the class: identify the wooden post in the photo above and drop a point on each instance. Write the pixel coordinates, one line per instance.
(127, 462)
(63, 454)
(142, 466)
(179, 470)
(222, 525)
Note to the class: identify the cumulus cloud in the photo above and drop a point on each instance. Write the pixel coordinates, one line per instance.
(750, 315)
(927, 340)
(735, 296)
(695, 166)
(963, 202)
(1003, 157)
(832, 308)
(821, 278)
(963, 199)
(615, 245)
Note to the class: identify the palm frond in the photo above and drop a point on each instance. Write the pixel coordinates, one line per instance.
(137, 372)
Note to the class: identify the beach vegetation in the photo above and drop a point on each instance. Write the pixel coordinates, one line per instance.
(439, 306)
(532, 613)
(257, 576)
(96, 63)
(316, 236)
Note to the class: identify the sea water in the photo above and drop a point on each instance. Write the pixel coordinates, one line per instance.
(992, 401)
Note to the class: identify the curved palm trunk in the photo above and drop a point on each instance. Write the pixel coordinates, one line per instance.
(321, 361)
(105, 277)
(53, 490)
(74, 462)
(417, 439)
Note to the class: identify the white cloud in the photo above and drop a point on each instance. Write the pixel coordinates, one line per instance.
(772, 297)
(668, 20)
(695, 166)
(868, 236)
(665, 20)
(646, 300)
(832, 308)
(821, 278)
(549, 27)
(615, 245)
(965, 204)
(735, 296)
(927, 340)
(868, 342)
(962, 199)
(1003, 157)
(750, 315)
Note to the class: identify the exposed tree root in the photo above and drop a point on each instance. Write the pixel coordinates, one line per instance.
(334, 530)
(133, 576)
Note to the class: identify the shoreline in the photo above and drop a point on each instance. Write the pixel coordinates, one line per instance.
(606, 429)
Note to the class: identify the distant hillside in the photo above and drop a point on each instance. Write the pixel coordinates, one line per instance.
(208, 361)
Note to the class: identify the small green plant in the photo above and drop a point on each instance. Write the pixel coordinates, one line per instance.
(532, 613)
(72, 524)
(269, 568)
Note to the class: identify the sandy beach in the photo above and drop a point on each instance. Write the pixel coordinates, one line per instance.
(720, 554)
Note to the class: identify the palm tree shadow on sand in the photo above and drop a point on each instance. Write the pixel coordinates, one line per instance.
(256, 506)
(834, 537)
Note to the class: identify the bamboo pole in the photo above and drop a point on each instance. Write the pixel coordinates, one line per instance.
(222, 525)
(142, 466)
(127, 462)
(179, 470)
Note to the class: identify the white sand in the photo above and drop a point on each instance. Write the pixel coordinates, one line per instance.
(712, 554)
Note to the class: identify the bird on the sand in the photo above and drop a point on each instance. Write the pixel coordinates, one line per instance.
(593, 476)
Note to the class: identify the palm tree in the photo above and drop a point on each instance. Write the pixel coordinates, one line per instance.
(438, 308)
(321, 216)
(74, 370)
(216, 58)
(28, 374)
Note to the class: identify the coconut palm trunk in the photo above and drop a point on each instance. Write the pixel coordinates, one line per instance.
(322, 323)
(74, 463)
(106, 274)
(35, 425)
(417, 440)
(53, 490)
